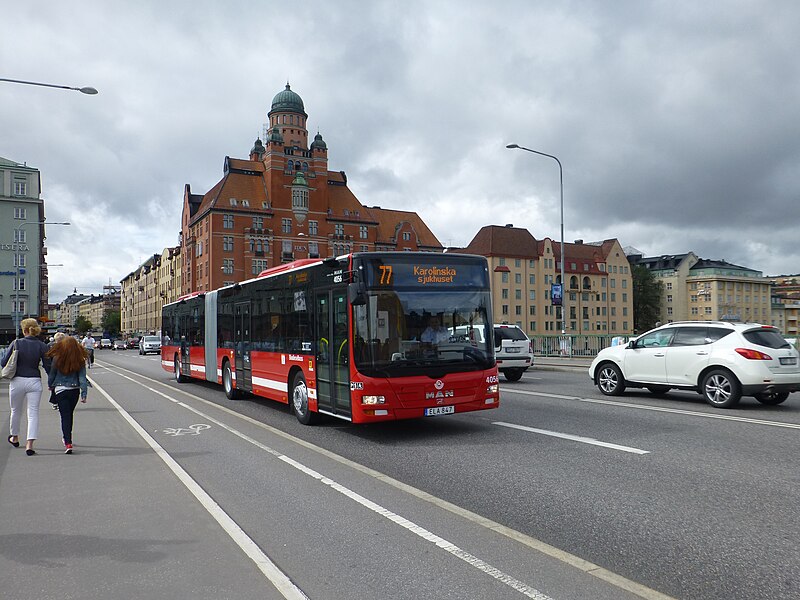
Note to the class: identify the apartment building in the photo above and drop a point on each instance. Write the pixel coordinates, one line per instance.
(697, 289)
(156, 282)
(598, 291)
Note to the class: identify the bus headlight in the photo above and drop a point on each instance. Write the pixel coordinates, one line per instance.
(493, 389)
(373, 399)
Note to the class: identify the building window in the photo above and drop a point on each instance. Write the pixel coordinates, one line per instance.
(532, 295)
(20, 187)
(19, 260)
(227, 221)
(504, 294)
(517, 310)
(286, 226)
(227, 266)
(406, 236)
(313, 250)
(258, 222)
(20, 213)
(245, 202)
(518, 294)
(338, 229)
(362, 232)
(286, 247)
(312, 227)
(234, 202)
(364, 248)
(198, 251)
(669, 285)
(505, 309)
(517, 263)
(19, 236)
(259, 264)
(504, 277)
(227, 243)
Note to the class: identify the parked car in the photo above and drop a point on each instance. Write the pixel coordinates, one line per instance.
(149, 343)
(133, 343)
(513, 351)
(722, 361)
(119, 345)
(105, 343)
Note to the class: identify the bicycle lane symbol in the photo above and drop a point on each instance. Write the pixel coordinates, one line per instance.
(191, 430)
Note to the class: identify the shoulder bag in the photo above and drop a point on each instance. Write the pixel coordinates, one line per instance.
(11, 366)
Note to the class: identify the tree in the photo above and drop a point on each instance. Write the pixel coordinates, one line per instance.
(111, 322)
(647, 293)
(82, 324)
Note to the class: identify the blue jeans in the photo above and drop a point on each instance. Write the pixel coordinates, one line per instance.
(67, 401)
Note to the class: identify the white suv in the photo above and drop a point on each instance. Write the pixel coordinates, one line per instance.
(513, 351)
(149, 343)
(722, 361)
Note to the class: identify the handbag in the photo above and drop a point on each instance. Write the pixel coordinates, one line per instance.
(11, 366)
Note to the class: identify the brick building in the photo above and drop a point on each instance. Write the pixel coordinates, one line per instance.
(282, 204)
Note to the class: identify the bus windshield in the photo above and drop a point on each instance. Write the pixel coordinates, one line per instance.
(402, 332)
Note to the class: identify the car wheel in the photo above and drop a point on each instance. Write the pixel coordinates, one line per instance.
(178, 377)
(227, 382)
(772, 398)
(513, 374)
(658, 390)
(721, 389)
(610, 380)
(300, 400)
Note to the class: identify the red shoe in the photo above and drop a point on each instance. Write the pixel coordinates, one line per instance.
(68, 449)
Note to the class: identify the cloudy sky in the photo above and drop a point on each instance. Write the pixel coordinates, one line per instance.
(677, 123)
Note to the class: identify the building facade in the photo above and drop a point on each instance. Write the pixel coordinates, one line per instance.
(23, 270)
(156, 282)
(598, 292)
(282, 204)
(697, 289)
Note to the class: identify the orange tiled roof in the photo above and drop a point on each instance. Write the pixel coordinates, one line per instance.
(494, 240)
(388, 219)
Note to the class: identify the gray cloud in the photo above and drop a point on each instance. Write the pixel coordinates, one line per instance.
(676, 122)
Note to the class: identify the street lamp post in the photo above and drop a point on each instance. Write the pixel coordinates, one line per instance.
(83, 90)
(18, 239)
(561, 182)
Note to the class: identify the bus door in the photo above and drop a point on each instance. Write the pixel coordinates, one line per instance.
(241, 345)
(185, 344)
(333, 351)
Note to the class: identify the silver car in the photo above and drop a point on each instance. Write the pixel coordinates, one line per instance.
(149, 343)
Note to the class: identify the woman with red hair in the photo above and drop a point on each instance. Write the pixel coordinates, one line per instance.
(68, 379)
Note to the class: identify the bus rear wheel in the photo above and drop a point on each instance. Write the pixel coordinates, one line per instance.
(227, 382)
(299, 400)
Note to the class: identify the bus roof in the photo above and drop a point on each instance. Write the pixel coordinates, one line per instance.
(290, 266)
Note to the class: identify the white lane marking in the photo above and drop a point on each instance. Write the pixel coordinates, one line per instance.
(191, 430)
(574, 438)
(421, 532)
(676, 411)
(277, 577)
(575, 562)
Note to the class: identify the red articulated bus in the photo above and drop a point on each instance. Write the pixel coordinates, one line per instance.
(365, 337)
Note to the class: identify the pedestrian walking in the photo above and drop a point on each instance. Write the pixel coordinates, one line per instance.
(88, 342)
(25, 386)
(58, 336)
(67, 379)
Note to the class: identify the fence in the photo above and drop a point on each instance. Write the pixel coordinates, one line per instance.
(573, 345)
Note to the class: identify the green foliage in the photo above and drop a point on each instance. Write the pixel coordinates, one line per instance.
(111, 322)
(647, 292)
(82, 324)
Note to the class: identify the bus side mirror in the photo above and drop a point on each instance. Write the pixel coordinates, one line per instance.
(356, 294)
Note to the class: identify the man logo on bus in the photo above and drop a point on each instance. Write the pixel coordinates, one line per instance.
(439, 384)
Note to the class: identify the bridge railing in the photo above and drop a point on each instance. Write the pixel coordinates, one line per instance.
(574, 345)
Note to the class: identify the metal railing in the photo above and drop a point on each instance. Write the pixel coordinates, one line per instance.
(573, 345)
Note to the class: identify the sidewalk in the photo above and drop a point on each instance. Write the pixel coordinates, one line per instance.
(556, 363)
(109, 521)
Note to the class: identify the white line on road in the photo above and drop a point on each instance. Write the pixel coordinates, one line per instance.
(574, 438)
(576, 562)
(421, 532)
(278, 578)
(676, 411)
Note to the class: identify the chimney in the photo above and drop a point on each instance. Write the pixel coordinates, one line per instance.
(578, 241)
(509, 225)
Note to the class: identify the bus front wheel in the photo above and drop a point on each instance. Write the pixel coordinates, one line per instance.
(300, 400)
(179, 378)
(227, 382)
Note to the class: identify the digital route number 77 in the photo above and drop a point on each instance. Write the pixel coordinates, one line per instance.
(386, 274)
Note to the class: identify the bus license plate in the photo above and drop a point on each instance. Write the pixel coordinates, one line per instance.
(439, 410)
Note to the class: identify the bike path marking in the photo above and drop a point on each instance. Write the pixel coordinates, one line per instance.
(277, 577)
(576, 562)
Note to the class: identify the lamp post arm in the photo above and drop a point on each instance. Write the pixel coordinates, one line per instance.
(84, 90)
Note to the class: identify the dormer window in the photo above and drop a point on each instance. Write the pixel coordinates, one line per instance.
(234, 202)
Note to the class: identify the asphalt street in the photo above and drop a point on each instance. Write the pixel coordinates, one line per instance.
(560, 493)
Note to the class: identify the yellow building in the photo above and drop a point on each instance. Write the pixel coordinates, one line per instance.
(146, 290)
(598, 295)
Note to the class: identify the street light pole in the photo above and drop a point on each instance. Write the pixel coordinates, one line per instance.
(561, 182)
(18, 239)
(83, 90)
